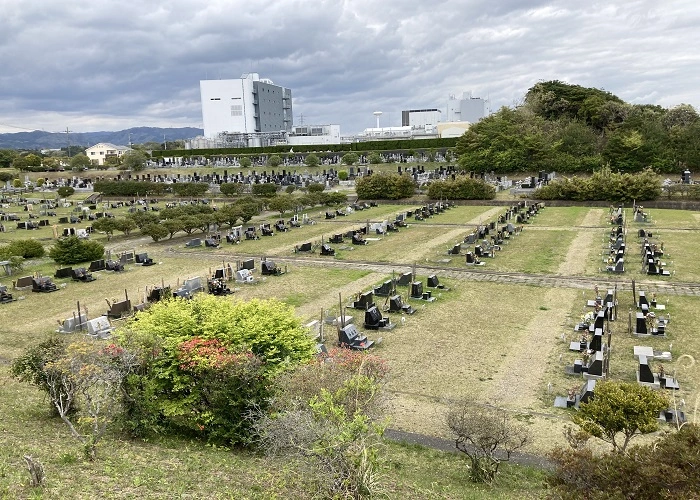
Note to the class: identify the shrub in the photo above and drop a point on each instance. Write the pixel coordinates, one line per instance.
(265, 190)
(73, 250)
(245, 162)
(311, 160)
(65, 191)
(349, 158)
(603, 185)
(374, 158)
(315, 188)
(190, 189)
(231, 188)
(462, 188)
(28, 249)
(274, 161)
(666, 469)
(208, 362)
(343, 175)
(385, 186)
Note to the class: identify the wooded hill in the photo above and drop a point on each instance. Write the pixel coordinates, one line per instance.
(569, 128)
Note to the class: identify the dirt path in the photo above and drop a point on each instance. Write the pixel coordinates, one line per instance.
(519, 376)
(575, 261)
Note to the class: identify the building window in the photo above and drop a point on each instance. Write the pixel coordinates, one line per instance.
(215, 99)
(237, 110)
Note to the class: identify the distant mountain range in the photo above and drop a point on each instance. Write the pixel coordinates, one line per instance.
(51, 140)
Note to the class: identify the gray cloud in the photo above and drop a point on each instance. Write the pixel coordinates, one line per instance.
(107, 65)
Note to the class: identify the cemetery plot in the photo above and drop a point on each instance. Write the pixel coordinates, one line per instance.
(534, 252)
(568, 217)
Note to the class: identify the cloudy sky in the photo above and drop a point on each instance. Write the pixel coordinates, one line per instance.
(93, 65)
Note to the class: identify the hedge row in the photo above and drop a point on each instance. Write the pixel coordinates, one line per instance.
(603, 185)
(462, 188)
(144, 188)
(395, 145)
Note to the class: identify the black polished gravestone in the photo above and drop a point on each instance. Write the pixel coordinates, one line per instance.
(364, 301)
(396, 305)
(211, 243)
(336, 238)
(304, 247)
(113, 265)
(327, 250)
(385, 289)
(97, 265)
(434, 282)
(158, 293)
(349, 337)
(82, 274)
(5, 296)
(269, 268)
(43, 285)
(573, 400)
(618, 268)
(64, 272)
(595, 365)
(144, 259)
(418, 293)
(357, 239)
(119, 309)
(248, 264)
(405, 279)
(375, 321)
(218, 287)
(455, 250)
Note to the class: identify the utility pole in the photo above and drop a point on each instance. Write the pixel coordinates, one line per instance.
(165, 144)
(68, 139)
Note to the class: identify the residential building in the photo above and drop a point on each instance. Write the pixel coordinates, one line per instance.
(100, 151)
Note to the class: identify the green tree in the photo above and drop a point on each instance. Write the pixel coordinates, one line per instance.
(373, 158)
(245, 162)
(27, 249)
(172, 226)
(65, 191)
(315, 187)
(7, 157)
(16, 183)
(134, 161)
(266, 189)
(281, 204)
(619, 411)
(73, 250)
(105, 225)
(248, 210)
(80, 162)
(125, 225)
(142, 219)
(231, 188)
(274, 161)
(311, 160)
(349, 158)
(156, 231)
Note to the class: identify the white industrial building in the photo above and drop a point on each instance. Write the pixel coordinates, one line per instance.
(420, 118)
(467, 109)
(245, 107)
(314, 134)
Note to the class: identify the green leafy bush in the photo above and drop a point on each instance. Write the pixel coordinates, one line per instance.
(131, 188)
(28, 249)
(343, 175)
(65, 191)
(666, 469)
(208, 362)
(462, 188)
(274, 161)
(315, 188)
(380, 186)
(73, 250)
(265, 190)
(190, 189)
(603, 185)
(231, 188)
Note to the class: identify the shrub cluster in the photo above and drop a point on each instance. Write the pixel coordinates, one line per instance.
(665, 469)
(28, 249)
(207, 363)
(381, 186)
(73, 250)
(462, 188)
(603, 185)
